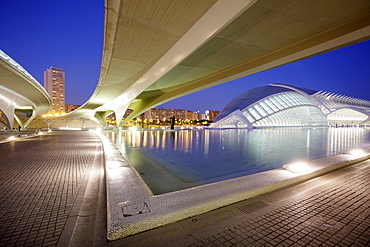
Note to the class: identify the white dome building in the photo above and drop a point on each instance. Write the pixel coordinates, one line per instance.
(281, 105)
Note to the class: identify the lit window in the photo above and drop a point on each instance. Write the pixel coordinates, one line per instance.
(281, 100)
(271, 105)
(266, 107)
(248, 116)
(254, 113)
(276, 103)
(260, 110)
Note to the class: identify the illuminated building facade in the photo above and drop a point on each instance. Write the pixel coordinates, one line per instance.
(281, 105)
(70, 108)
(163, 114)
(211, 115)
(198, 115)
(54, 82)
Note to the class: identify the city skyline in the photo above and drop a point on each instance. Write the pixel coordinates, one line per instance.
(74, 42)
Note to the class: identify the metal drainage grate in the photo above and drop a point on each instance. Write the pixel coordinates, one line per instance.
(252, 207)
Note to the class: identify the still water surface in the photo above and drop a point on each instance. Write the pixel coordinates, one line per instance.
(174, 160)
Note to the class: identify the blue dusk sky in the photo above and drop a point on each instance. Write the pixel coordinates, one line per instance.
(69, 34)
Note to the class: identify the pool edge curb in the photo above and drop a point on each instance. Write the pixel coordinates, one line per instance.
(132, 208)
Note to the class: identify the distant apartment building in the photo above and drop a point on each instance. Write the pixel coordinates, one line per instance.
(179, 114)
(211, 115)
(69, 107)
(54, 82)
(164, 114)
(127, 113)
(199, 116)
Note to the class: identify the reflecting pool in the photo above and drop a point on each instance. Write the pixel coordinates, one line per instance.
(174, 160)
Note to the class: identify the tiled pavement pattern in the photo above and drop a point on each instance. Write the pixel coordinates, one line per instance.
(41, 177)
(330, 210)
(39, 180)
(339, 215)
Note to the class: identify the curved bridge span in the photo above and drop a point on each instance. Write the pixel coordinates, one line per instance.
(156, 52)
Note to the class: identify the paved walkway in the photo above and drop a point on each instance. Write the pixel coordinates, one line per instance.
(52, 194)
(332, 210)
(43, 183)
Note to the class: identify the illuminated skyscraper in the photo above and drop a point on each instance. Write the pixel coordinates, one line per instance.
(54, 81)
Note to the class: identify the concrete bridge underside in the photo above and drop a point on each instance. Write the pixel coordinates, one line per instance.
(156, 51)
(22, 98)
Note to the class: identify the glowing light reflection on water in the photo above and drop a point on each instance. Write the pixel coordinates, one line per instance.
(174, 160)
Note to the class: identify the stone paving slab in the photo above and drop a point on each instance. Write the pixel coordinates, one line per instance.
(336, 216)
(40, 179)
(331, 210)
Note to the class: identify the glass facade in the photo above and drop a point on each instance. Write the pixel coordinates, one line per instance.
(299, 116)
(234, 121)
(282, 105)
(345, 117)
(284, 109)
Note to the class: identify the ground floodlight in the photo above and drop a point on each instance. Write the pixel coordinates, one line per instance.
(357, 152)
(11, 138)
(298, 167)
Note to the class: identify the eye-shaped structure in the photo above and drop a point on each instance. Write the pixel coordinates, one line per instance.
(281, 105)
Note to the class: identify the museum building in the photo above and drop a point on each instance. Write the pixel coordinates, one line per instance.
(282, 105)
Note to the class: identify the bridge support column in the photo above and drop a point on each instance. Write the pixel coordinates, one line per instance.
(101, 116)
(67, 121)
(8, 113)
(49, 121)
(120, 112)
(19, 121)
(83, 120)
(30, 119)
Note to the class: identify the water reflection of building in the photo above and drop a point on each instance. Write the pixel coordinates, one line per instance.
(190, 158)
(340, 139)
(281, 105)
